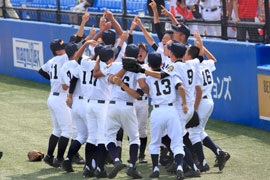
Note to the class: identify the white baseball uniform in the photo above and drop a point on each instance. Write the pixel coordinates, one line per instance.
(206, 106)
(166, 61)
(60, 112)
(188, 73)
(121, 110)
(78, 112)
(164, 116)
(141, 106)
(98, 98)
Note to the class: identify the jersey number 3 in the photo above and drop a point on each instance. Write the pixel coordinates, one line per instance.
(167, 89)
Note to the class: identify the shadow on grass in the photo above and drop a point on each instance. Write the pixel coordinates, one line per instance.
(54, 173)
(233, 130)
(24, 83)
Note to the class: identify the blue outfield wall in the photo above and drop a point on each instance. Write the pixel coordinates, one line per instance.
(24, 45)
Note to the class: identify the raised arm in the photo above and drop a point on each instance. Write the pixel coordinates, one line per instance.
(156, 20)
(115, 24)
(147, 36)
(165, 12)
(80, 52)
(85, 18)
(198, 42)
(132, 27)
(91, 34)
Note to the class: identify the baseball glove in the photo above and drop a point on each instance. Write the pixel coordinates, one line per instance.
(194, 121)
(131, 64)
(35, 155)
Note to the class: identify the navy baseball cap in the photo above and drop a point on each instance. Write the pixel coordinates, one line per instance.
(97, 48)
(181, 28)
(108, 37)
(177, 48)
(154, 59)
(57, 44)
(75, 38)
(143, 45)
(132, 50)
(71, 48)
(107, 52)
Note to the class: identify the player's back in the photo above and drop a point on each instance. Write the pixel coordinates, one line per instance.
(67, 72)
(162, 91)
(129, 78)
(54, 66)
(206, 69)
(98, 88)
(188, 74)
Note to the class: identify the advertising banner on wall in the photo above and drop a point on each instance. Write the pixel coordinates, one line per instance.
(264, 96)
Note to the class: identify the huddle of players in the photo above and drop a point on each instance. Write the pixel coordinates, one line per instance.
(105, 96)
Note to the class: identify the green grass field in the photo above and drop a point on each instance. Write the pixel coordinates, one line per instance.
(26, 125)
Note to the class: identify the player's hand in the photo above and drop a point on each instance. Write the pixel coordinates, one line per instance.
(91, 42)
(164, 11)
(109, 14)
(102, 22)
(198, 40)
(138, 21)
(133, 24)
(117, 80)
(153, 5)
(124, 36)
(86, 16)
(69, 102)
(185, 108)
(107, 26)
(92, 31)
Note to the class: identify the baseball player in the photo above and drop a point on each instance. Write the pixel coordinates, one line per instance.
(205, 107)
(164, 115)
(141, 105)
(85, 76)
(60, 113)
(77, 110)
(121, 113)
(189, 72)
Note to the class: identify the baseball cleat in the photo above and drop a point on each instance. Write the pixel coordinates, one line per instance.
(57, 162)
(101, 174)
(48, 160)
(118, 166)
(155, 174)
(192, 173)
(179, 175)
(204, 168)
(132, 172)
(77, 159)
(142, 160)
(222, 158)
(67, 166)
(88, 172)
